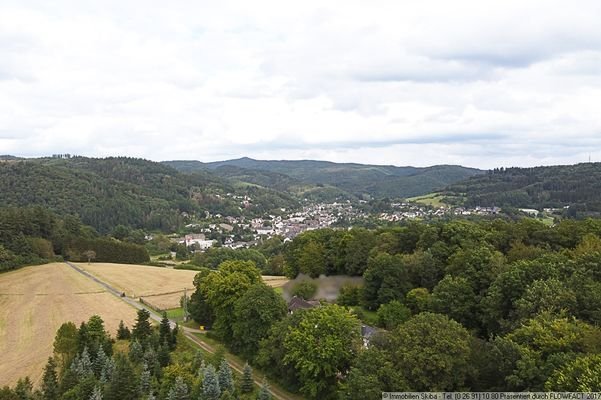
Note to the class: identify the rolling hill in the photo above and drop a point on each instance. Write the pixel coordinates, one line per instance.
(577, 186)
(119, 190)
(337, 179)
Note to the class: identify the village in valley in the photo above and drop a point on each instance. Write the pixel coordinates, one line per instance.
(237, 232)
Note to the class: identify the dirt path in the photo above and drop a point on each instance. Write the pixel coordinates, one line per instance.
(188, 332)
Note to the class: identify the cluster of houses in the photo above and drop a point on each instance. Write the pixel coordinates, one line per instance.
(407, 211)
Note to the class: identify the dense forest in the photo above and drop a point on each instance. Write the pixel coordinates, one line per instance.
(145, 363)
(577, 186)
(485, 306)
(35, 235)
(327, 180)
(119, 190)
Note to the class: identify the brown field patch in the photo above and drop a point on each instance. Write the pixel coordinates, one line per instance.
(161, 288)
(34, 302)
(141, 280)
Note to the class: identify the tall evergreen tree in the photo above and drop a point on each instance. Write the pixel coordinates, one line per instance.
(100, 362)
(24, 389)
(173, 337)
(163, 356)
(142, 329)
(179, 390)
(107, 371)
(136, 352)
(145, 380)
(123, 332)
(123, 384)
(96, 394)
(164, 329)
(264, 393)
(247, 384)
(226, 380)
(50, 381)
(210, 384)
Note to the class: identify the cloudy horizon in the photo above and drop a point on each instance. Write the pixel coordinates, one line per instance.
(514, 83)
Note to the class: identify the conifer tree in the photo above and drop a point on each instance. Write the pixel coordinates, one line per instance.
(123, 384)
(96, 394)
(264, 393)
(142, 329)
(163, 356)
(173, 337)
(82, 365)
(164, 329)
(136, 352)
(197, 361)
(99, 362)
(179, 390)
(210, 384)
(50, 381)
(123, 332)
(24, 389)
(145, 380)
(247, 384)
(107, 371)
(226, 380)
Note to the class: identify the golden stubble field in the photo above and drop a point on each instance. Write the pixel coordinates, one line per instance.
(161, 288)
(34, 302)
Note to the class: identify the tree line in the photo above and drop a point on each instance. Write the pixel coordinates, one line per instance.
(35, 235)
(494, 305)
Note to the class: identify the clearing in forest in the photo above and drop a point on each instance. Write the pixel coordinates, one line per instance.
(35, 301)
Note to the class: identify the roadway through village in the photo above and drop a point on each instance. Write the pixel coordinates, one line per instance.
(188, 332)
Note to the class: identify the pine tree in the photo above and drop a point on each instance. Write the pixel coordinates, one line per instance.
(123, 384)
(210, 384)
(197, 361)
(99, 362)
(50, 381)
(164, 357)
(264, 393)
(83, 339)
(247, 384)
(145, 380)
(123, 332)
(82, 365)
(173, 337)
(136, 351)
(164, 328)
(226, 380)
(96, 394)
(179, 390)
(142, 329)
(24, 389)
(107, 371)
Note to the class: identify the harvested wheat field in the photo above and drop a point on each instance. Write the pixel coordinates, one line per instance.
(161, 288)
(34, 302)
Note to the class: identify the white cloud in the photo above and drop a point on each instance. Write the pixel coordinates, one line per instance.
(467, 82)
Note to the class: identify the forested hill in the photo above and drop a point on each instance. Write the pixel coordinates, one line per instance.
(577, 186)
(354, 180)
(133, 192)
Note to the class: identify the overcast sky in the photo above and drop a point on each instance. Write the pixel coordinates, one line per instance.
(478, 83)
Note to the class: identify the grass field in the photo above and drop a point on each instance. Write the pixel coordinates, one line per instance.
(34, 302)
(432, 199)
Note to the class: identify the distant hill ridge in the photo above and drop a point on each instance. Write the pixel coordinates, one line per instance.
(351, 179)
(105, 192)
(577, 186)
